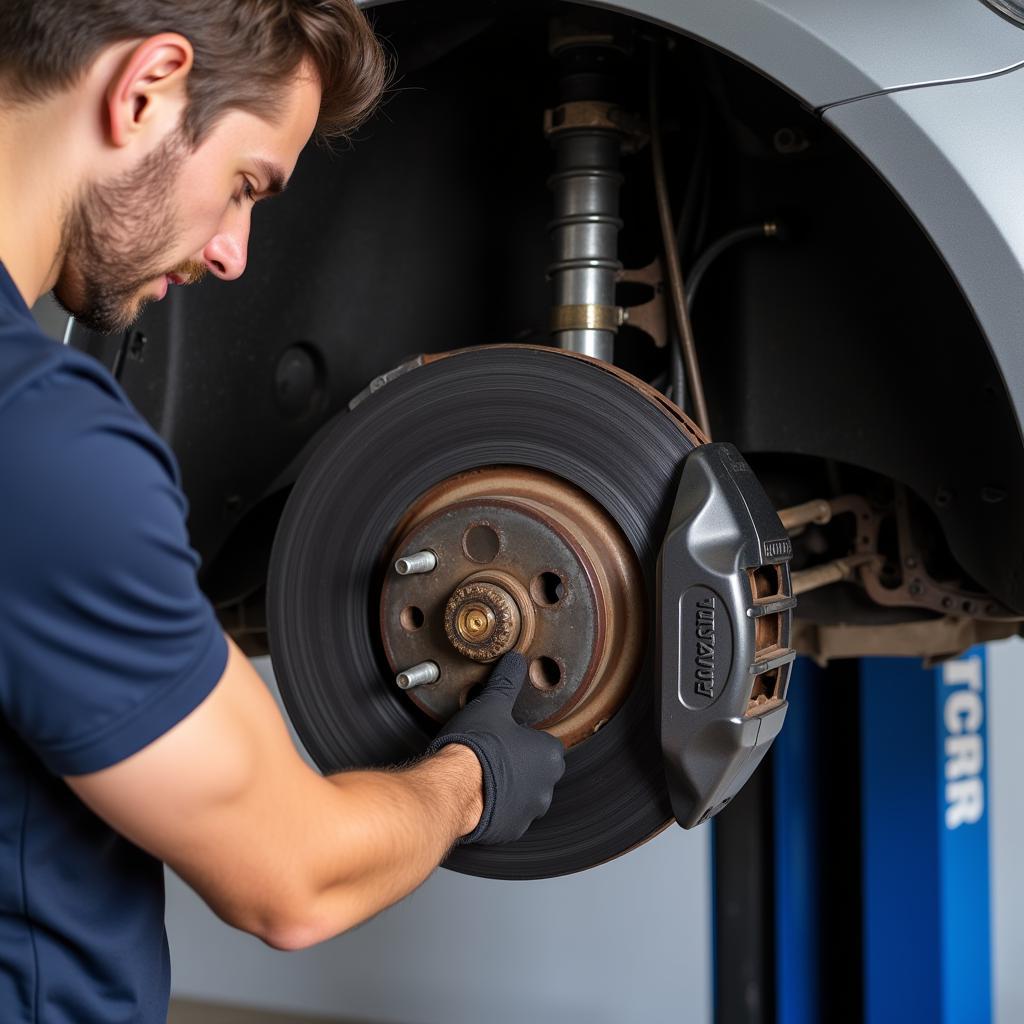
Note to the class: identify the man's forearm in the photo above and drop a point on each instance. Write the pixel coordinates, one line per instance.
(394, 828)
(292, 857)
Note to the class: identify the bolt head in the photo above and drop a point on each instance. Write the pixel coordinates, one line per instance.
(475, 622)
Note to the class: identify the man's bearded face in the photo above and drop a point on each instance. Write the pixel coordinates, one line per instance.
(117, 240)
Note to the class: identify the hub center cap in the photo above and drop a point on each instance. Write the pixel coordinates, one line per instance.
(481, 620)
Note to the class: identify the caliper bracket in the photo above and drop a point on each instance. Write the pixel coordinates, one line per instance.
(725, 610)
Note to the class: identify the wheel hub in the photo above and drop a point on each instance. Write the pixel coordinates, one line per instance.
(524, 561)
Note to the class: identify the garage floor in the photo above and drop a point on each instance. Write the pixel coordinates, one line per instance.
(187, 1011)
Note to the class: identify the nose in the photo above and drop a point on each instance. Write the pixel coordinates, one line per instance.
(225, 253)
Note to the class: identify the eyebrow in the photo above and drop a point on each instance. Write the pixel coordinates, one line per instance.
(273, 175)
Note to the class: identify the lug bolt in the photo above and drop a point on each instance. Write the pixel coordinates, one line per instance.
(422, 561)
(423, 674)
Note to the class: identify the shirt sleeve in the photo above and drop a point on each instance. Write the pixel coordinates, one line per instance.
(106, 640)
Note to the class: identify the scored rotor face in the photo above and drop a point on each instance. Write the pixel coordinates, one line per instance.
(542, 483)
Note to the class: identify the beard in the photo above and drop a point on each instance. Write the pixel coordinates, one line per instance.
(116, 239)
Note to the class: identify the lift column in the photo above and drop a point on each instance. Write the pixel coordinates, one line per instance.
(852, 872)
(924, 812)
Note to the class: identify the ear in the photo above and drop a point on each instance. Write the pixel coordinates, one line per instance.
(148, 95)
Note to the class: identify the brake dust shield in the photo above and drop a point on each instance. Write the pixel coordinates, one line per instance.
(543, 482)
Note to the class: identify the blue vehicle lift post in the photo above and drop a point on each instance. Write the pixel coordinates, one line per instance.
(851, 874)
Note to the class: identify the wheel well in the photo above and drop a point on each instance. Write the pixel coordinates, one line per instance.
(843, 341)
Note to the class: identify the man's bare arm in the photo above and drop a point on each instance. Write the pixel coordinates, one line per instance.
(273, 847)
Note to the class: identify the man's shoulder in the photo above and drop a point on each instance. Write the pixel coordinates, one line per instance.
(53, 397)
(106, 640)
(28, 356)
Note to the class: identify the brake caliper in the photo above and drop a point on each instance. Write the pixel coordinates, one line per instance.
(725, 616)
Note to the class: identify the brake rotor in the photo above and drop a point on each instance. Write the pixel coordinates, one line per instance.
(541, 482)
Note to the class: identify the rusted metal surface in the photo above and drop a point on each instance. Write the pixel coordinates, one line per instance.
(564, 565)
(771, 592)
(931, 639)
(829, 572)
(818, 511)
(916, 587)
(481, 620)
(651, 316)
(527, 543)
(587, 115)
(912, 587)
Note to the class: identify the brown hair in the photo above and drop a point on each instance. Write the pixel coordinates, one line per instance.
(245, 52)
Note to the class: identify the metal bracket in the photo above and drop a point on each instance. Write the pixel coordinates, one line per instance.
(651, 317)
(594, 115)
(917, 588)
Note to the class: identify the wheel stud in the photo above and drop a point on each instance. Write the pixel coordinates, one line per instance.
(423, 674)
(422, 561)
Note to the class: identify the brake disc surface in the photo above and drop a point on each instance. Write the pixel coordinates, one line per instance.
(568, 419)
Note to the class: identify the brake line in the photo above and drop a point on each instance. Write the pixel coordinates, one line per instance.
(671, 251)
(768, 229)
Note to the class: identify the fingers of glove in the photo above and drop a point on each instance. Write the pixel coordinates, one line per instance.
(508, 834)
(547, 758)
(508, 827)
(507, 678)
(510, 824)
(539, 802)
(541, 764)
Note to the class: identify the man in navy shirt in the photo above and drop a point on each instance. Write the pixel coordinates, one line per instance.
(136, 137)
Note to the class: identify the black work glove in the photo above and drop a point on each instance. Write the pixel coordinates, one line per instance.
(520, 765)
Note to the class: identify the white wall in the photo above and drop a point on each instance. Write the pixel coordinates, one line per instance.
(1006, 772)
(625, 942)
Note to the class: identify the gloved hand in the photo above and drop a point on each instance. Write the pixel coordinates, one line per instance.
(520, 765)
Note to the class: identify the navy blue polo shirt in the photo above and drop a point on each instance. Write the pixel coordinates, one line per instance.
(106, 642)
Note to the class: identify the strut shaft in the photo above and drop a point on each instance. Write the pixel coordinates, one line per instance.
(587, 140)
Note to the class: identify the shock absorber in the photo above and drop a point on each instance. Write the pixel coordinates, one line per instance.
(586, 130)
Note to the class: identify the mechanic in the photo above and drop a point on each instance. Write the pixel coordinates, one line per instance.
(137, 135)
